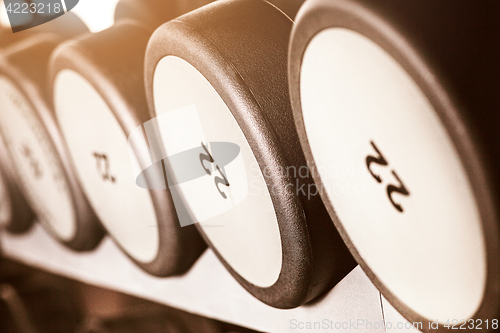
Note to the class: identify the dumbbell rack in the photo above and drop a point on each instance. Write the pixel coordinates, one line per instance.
(207, 288)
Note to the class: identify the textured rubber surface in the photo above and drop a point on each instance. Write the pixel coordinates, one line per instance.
(113, 62)
(241, 49)
(26, 64)
(394, 25)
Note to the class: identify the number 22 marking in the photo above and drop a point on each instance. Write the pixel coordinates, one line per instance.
(218, 180)
(391, 189)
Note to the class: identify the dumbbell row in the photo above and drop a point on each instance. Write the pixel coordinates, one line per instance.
(231, 144)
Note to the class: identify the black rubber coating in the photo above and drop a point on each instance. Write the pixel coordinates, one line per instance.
(241, 48)
(26, 65)
(21, 214)
(112, 61)
(427, 38)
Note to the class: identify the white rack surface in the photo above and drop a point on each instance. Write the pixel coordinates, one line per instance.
(207, 289)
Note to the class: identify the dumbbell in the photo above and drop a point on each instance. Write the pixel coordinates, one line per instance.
(97, 87)
(18, 217)
(367, 95)
(216, 84)
(15, 214)
(25, 15)
(35, 146)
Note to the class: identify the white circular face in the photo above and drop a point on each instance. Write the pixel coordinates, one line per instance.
(225, 192)
(393, 176)
(37, 163)
(99, 150)
(5, 203)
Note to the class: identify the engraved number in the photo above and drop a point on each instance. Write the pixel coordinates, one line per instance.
(103, 167)
(222, 180)
(400, 188)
